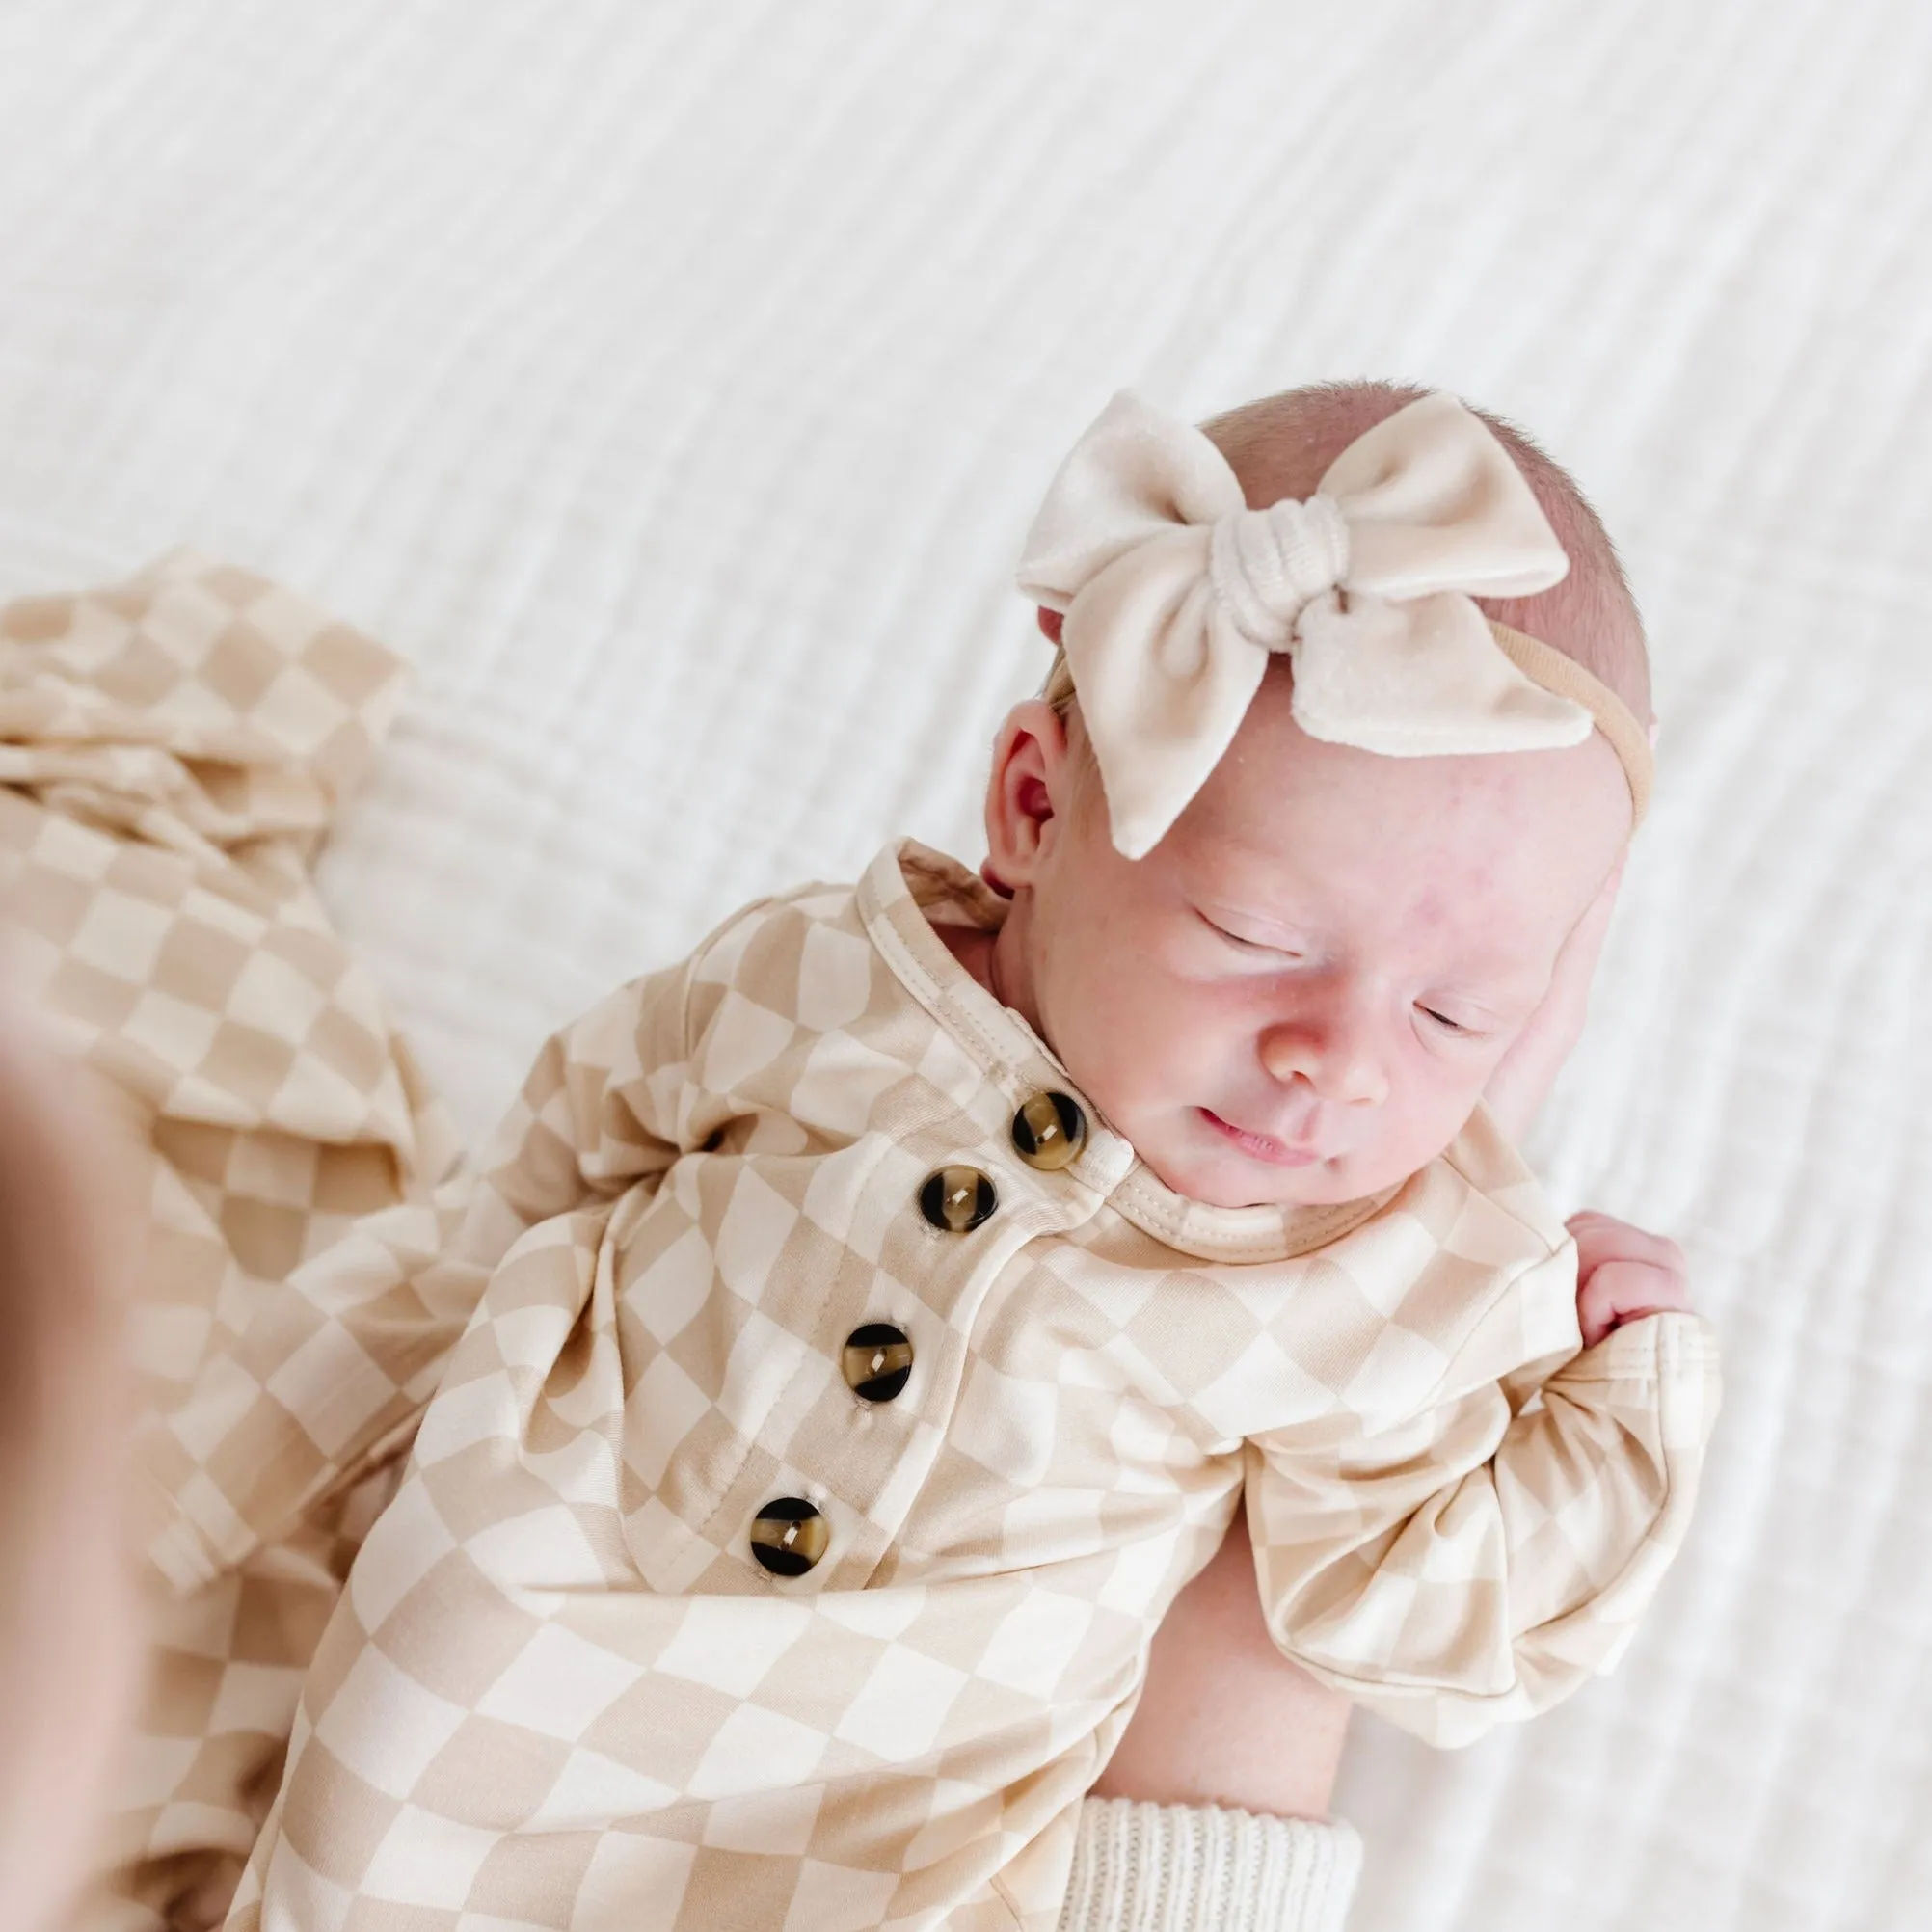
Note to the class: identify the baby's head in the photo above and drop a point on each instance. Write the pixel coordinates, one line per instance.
(1297, 991)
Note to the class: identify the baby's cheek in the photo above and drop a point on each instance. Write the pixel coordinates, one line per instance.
(1106, 1037)
(1434, 1111)
(1149, 1049)
(1156, 1058)
(1135, 1029)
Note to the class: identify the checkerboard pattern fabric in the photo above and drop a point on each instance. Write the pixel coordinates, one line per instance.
(171, 753)
(560, 1690)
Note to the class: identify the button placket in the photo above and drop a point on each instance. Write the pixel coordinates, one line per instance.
(790, 1536)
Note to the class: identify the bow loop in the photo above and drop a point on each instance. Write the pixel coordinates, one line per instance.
(1175, 593)
(1268, 565)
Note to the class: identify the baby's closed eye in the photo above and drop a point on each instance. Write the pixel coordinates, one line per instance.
(1275, 947)
(1462, 1020)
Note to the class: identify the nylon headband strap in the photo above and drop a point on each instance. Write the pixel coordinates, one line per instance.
(1546, 665)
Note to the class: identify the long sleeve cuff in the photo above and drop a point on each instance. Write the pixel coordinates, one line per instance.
(1141, 1868)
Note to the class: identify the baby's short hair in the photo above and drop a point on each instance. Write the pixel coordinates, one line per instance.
(1282, 446)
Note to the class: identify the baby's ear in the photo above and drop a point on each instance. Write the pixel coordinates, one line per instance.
(1021, 790)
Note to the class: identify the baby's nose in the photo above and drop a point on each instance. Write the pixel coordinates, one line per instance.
(1337, 1054)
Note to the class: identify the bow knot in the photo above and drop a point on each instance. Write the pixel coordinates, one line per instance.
(1268, 565)
(1174, 593)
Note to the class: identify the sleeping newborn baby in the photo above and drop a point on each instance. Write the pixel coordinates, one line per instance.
(882, 1314)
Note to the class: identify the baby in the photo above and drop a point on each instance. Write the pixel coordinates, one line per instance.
(882, 1314)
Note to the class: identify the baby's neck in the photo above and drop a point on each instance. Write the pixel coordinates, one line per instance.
(997, 960)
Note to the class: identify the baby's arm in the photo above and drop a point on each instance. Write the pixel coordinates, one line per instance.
(1225, 1718)
(333, 1372)
(1478, 1562)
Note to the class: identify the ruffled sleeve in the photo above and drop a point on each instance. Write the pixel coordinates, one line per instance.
(1476, 1562)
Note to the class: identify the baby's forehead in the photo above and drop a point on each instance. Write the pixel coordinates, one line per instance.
(1480, 854)
(1318, 870)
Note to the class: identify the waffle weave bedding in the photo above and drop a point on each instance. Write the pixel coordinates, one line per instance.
(673, 385)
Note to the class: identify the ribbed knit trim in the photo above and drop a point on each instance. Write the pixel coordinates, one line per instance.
(1141, 1867)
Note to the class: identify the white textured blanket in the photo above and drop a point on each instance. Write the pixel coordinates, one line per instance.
(674, 384)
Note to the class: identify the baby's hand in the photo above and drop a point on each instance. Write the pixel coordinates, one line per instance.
(1624, 1274)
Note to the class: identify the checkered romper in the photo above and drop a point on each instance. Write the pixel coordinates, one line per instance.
(671, 1624)
(840, 1407)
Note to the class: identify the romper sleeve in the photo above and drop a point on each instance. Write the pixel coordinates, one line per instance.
(332, 1376)
(1475, 1563)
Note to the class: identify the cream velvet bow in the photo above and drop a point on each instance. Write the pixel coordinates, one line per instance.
(1175, 592)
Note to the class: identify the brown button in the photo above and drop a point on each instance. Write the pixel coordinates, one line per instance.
(789, 1536)
(877, 1361)
(958, 1200)
(1049, 1131)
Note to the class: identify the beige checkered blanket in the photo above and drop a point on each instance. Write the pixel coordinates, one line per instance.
(670, 1623)
(173, 752)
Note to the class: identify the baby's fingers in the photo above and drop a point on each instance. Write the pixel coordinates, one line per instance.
(1602, 1238)
(1625, 1291)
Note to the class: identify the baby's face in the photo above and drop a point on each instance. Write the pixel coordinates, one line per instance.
(1299, 995)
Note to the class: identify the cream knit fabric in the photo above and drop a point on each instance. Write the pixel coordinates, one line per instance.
(1203, 1868)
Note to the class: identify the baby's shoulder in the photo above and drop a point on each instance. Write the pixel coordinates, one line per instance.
(1501, 1186)
(766, 940)
(785, 976)
(1498, 1289)
(1462, 1277)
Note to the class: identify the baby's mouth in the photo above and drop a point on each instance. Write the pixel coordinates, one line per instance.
(1263, 1147)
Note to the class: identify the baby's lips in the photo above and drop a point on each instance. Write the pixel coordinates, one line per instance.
(1272, 1147)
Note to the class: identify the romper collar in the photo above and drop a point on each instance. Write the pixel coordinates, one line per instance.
(908, 887)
